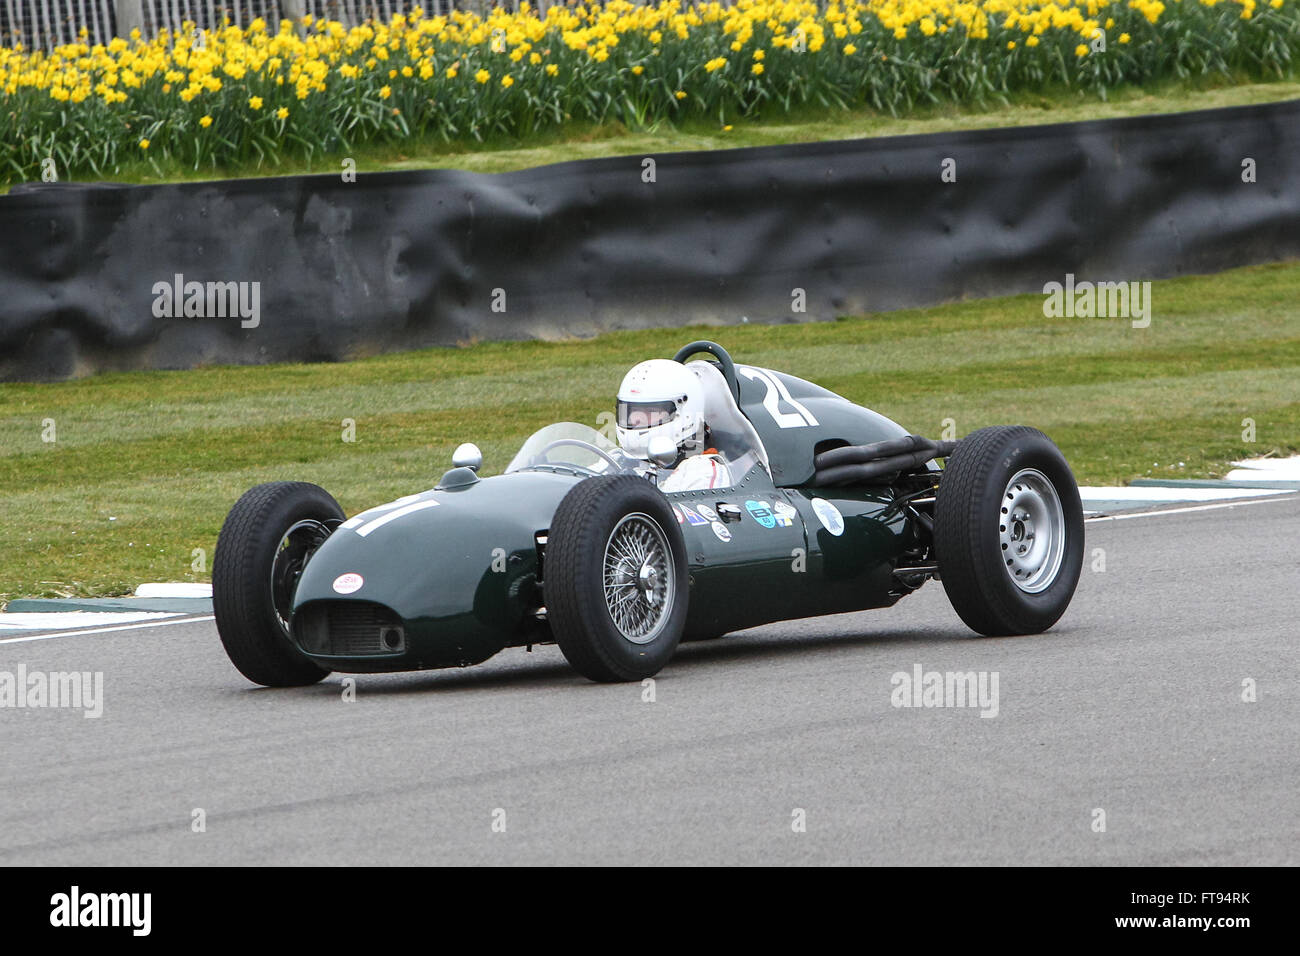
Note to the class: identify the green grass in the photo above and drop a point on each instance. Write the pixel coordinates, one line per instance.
(588, 142)
(165, 454)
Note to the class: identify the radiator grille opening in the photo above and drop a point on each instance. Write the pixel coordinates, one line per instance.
(349, 629)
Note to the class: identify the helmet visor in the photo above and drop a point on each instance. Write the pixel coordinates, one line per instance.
(637, 415)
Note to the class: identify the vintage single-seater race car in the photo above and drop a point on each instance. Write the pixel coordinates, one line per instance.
(829, 507)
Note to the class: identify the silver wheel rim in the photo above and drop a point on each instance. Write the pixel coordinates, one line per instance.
(1031, 531)
(640, 584)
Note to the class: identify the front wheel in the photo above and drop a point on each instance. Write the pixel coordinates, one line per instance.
(266, 541)
(616, 582)
(1008, 531)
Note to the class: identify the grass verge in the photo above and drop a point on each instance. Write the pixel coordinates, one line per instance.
(145, 465)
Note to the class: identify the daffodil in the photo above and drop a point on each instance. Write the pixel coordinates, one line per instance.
(166, 84)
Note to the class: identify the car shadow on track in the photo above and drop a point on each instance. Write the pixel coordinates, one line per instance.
(744, 646)
(756, 645)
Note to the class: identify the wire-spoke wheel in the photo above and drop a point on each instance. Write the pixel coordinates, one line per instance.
(1008, 531)
(615, 573)
(639, 581)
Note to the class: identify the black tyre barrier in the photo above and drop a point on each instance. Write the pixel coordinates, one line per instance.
(309, 268)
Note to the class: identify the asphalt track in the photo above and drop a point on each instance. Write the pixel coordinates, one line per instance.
(1131, 705)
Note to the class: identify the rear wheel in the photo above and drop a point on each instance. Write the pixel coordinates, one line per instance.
(266, 541)
(1008, 531)
(616, 583)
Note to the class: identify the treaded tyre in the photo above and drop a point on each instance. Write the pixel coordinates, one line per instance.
(616, 582)
(266, 540)
(1008, 531)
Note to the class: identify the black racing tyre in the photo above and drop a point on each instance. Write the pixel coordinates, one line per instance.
(1008, 531)
(267, 538)
(615, 578)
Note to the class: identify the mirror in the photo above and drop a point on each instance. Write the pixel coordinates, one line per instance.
(662, 451)
(467, 456)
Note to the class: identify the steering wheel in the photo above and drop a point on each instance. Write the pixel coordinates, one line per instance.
(718, 352)
(540, 457)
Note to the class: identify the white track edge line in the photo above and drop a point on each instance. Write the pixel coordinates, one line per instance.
(1210, 507)
(105, 630)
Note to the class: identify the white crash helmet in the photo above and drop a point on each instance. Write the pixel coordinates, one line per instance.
(660, 397)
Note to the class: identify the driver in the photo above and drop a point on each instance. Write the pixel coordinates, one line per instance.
(662, 397)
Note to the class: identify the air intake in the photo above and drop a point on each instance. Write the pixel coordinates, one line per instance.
(349, 629)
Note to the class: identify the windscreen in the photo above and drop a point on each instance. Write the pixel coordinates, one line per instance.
(568, 443)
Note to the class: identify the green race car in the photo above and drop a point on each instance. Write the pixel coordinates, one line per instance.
(828, 507)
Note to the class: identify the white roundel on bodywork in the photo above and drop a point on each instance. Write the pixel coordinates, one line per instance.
(348, 583)
(829, 516)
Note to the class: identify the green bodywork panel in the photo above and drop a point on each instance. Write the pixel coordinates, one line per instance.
(460, 567)
(794, 568)
(796, 419)
(460, 573)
